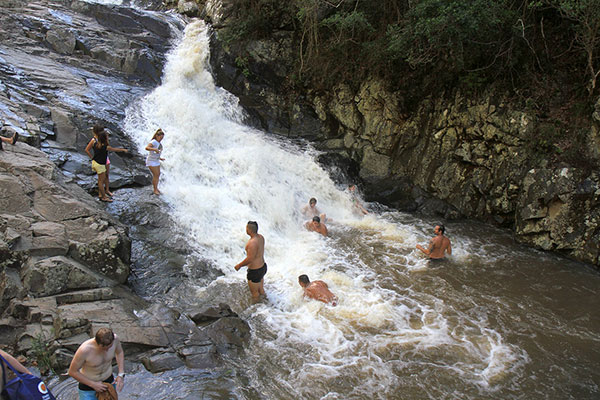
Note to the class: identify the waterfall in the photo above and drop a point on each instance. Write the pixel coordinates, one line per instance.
(219, 173)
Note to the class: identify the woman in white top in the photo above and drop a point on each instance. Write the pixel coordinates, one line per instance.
(153, 160)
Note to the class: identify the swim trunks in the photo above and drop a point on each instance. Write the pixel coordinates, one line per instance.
(256, 275)
(87, 393)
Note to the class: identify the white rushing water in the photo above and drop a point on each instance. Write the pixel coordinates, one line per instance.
(219, 173)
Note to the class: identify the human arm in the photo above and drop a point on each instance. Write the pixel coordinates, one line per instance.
(360, 207)
(14, 363)
(429, 250)
(449, 248)
(88, 148)
(251, 250)
(76, 364)
(151, 147)
(116, 149)
(120, 356)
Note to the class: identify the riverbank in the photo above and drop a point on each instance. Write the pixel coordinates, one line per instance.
(68, 266)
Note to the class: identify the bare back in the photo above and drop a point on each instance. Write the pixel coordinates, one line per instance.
(319, 290)
(440, 245)
(255, 249)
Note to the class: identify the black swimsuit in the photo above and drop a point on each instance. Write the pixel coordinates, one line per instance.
(110, 379)
(256, 275)
(100, 153)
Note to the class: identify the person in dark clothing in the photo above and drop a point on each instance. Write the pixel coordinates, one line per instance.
(101, 149)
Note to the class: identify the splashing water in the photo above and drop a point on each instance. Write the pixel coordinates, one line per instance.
(402, 329)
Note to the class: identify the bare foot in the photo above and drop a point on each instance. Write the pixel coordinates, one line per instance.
(106, 199)
(109, 193)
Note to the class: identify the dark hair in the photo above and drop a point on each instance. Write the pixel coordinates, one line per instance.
(103, 138)
(317, 219)
(105, 336)
(253, 225)
(159, 132)
(304, 279)
(97, 129)
(312, 200)
(442, 228)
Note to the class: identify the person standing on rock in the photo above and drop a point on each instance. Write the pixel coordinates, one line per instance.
(92, 364)
(257, 267)
(101, 149)
(95, 130)
(438, 245)
(153, 160)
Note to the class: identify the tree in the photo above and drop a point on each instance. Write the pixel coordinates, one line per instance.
(586, 15)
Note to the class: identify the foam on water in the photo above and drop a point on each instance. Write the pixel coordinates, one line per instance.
(218, 174)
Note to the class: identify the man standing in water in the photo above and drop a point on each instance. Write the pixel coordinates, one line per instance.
(257, 267)
(92, 364)
(317, 290)
(438, 245)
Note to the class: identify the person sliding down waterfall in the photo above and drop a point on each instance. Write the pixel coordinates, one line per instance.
(257, 267)
(316, 226)
(317, 290)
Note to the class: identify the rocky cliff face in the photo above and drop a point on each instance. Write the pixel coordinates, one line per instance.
(64, 260)
(450, 156)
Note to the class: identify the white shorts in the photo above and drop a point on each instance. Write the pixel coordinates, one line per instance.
(152, 163)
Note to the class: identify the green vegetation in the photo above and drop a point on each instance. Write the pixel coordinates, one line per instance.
(475, 42)
(40, 351)
(543, 54)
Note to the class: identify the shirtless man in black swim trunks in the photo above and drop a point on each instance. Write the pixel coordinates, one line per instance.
(257, 268)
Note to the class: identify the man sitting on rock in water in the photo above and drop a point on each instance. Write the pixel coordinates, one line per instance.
(316, 226)
(257, 267)
(317, 290)
(438, 245)
(92, 364)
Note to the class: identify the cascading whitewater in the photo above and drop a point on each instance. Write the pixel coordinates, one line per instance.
(218, 174)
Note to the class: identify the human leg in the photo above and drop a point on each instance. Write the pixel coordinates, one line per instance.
(101, 193)
(155, 176)
(107, 181)
(254, 291)
(101, 185)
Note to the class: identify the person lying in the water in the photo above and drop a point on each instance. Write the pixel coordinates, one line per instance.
(316, 226)
(317, 290)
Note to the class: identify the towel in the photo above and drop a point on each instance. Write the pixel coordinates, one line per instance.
(110, 394)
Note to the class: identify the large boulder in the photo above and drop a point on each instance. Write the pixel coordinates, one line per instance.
(559, 210)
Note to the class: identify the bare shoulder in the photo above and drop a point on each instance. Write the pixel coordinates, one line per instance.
(85, 347)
